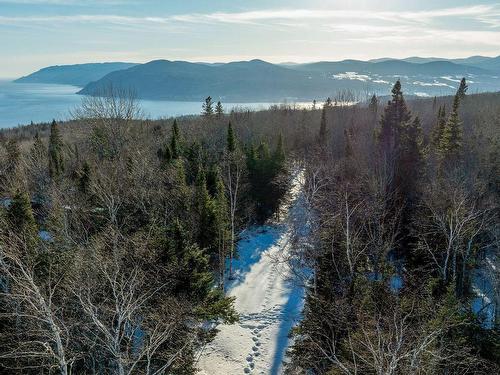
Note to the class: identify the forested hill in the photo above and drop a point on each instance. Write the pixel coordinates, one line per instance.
(257, 80)
(260, 81)
(77, 75)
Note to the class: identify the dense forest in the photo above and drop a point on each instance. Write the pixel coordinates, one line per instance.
(118, 234)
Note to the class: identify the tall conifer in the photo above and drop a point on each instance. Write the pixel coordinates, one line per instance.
(56, 163)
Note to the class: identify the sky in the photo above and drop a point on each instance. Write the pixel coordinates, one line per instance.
(39, 33)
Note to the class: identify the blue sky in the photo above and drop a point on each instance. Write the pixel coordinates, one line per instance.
(37, 33)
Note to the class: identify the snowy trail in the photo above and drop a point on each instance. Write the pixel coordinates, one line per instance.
(268, 303)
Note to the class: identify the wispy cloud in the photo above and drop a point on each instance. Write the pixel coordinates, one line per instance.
(487, 14)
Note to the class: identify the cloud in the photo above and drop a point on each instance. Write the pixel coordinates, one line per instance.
(486, 14)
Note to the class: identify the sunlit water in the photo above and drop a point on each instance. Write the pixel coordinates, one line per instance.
(21, 103)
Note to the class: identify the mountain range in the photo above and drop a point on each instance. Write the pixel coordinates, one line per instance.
(77, 75)
(257, 80)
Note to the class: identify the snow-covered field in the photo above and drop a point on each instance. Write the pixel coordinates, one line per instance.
(269, 303)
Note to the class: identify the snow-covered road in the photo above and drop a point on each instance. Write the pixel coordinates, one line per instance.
(269, 303)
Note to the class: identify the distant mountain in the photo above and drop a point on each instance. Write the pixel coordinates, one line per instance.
(488, 63)
(254, 80)
(392, 67)
(483, 62)
(77, 75)
(260, 81)
(257, 80)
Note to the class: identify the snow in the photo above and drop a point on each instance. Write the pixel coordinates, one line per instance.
(484, 304)
(45, 236)
(352, 76)
(396, 283)
(268, 302)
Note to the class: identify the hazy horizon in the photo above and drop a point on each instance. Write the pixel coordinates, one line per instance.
(38, 33)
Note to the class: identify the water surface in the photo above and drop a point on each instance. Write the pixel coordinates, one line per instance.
(21, 103)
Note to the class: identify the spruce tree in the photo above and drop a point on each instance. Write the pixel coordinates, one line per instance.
(20, 215)
(208, 109)
(13, 157)
(231, 139)
(411, 161)
(175, 151)
(438, 129)
(56, 164)
(348, 151)
(373, 105)
(219, 110)
(450, 143)
(462, 89)
(38, 150)
(323, 133)
(279, 153)
(223, 225)
(84, 178)
(207, 216)
(396, 116)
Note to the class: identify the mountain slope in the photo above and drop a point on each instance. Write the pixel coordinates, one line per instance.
(77, 75)
(392, 66)
(237, 81)
(260, 81)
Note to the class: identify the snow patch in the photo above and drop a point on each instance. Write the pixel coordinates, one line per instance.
(352, 76)
(269, 304)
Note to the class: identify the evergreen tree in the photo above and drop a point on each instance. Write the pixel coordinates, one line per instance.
(328, 103)
(314, 105)
(84, 178)
(450, 143)
(231, 139)
(279, 153)
(13, 157)
(38, 150)
(411, 162)
(56, 164)
(223, 225)
(20, 216)
(175, 150)
(348, 151)
(373, 105)
(207, 216)
(437, 131)
(208, 109)
(219, 110)
(38, 170)
(194, 161)
(395, 116)
(462, 89)
(323, 132)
